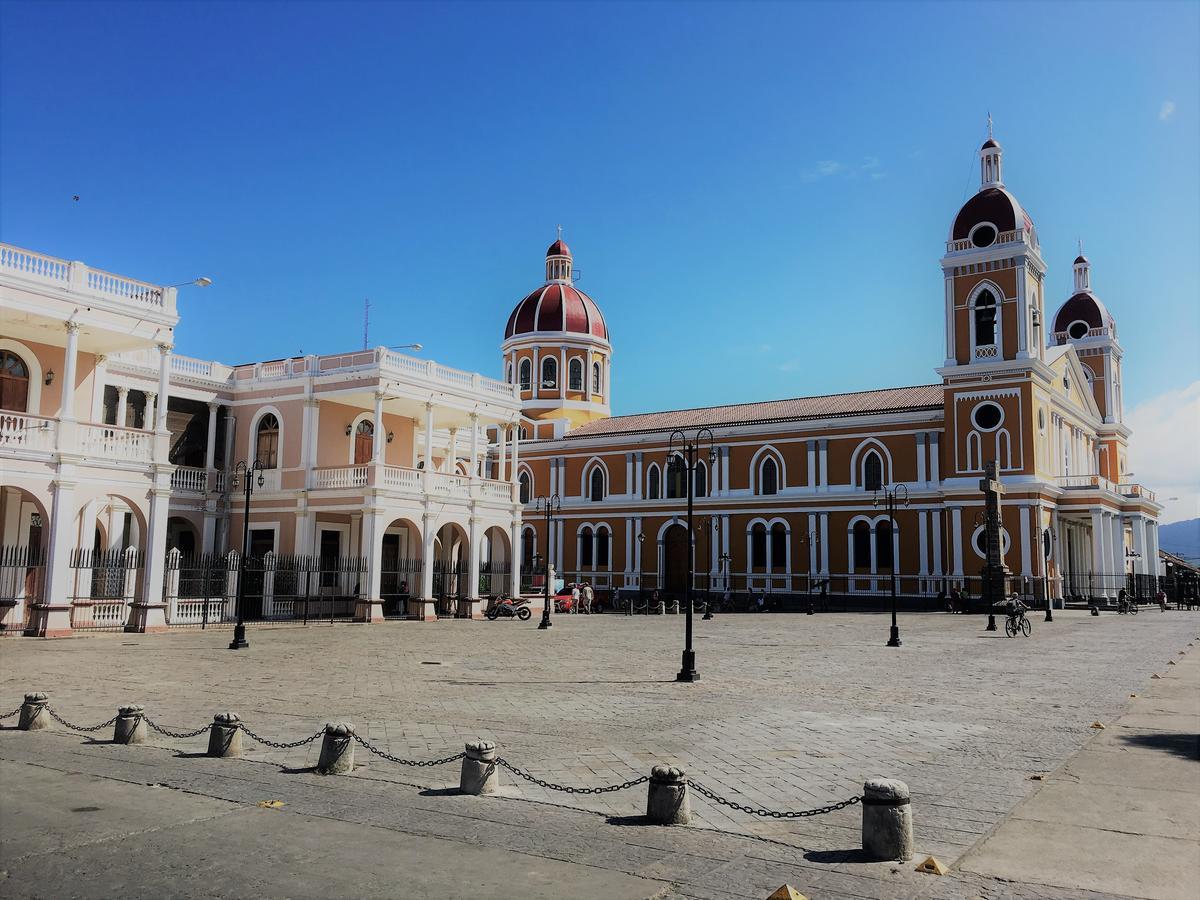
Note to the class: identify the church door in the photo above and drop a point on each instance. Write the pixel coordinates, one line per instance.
(364, 443)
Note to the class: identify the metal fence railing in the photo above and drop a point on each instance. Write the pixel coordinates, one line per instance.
(104, 584)
(22, 584)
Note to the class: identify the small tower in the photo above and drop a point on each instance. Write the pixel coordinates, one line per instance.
(556, 349)
(1085, 322)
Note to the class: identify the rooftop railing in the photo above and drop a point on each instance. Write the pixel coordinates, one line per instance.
(80, 278)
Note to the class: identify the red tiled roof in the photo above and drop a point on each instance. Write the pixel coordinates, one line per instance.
(925, 396)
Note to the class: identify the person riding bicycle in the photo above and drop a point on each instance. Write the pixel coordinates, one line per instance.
(1016, 608)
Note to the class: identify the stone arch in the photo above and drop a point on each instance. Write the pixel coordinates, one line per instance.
(858, 460)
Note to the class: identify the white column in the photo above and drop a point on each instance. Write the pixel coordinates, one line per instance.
(370, 605)
(587, 375)
(122, 406)
(1152, 548)
(921, 457)
(150, 413)
(514, 537)
(558, 553)
(824, 463)
(429, 456)
(1100, 562)
(922, 536)
(811, 537)
(502, 439)
(1117, 538)
(936, 516)
(380, 434)
(956, 539)
(450, 464)
(933, 457)
(1140, 564)
(824, 543)
(312, 406)
(474, 448)
(210, 447)
(628, 547)
(637, 549)
(1026, 554)
(950, 350)
(725, 469)
(152, 616)
(812, 464)
(164, 386)
(428, 535)
(55, 618)
(473, 558)
(516, 452)
(69, 365)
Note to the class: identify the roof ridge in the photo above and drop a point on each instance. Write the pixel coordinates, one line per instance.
(660, 412)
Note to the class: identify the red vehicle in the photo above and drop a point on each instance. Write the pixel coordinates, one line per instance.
(563, 602)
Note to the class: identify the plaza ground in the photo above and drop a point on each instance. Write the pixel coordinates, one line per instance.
(791, 712)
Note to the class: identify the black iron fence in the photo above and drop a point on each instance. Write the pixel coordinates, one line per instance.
(22, 583)
(103, 585)
(494, 578)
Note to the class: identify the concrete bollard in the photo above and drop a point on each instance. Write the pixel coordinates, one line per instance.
(887, 829)
(337, 749)
(130, 727)
(225, 735)
(667, 797)
(478, 774)
(33, 712)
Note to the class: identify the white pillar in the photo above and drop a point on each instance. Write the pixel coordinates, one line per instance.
(1100, 562)
(1152, 548)
(956, 540)
(824, 462)
(429, 457)
(473, 559)
(922, 537)
(1140, 563)
(516, 444)
(380, 434)
(936, 517)
(1026, 549)
(1117, 538)
(150, 614)
(52, 617)
(502, 439)
(164, 386)
(122, 406)
(921, 457)
(369, 606)
(427, 538)
(69, 364)
(210, 447)
(514, 540)
(933, 457)
(812, 464)
(450, 463)
(825, 543)
(811, 537)
(474, 446)
(150, 413)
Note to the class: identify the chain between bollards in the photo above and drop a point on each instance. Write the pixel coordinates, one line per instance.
(771, 813)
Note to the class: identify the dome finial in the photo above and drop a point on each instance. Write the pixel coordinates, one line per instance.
(559, 232)
(989, 124)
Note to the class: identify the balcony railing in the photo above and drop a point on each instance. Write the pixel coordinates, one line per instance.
(1004, 237)
(189, 479)
(1136, 490)
(115, 442)
(1084, 482)
(80, 278)
(19, 431)
(409, 481)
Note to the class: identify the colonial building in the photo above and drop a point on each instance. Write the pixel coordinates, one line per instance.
(788, 497)
(370, 466)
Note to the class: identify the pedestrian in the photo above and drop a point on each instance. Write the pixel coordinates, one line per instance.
(574, 598)
(589, 596)
(762, 600)
(1161, 597)
(726, 601)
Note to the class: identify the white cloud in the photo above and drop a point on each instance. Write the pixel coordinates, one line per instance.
(1164, 450)
(1166, 110)
(824, 169)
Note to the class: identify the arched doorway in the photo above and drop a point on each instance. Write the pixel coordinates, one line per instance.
(675, 560)
(181, 536)
(400, 567)
(495, 563)
(24, 533)
(364, 442)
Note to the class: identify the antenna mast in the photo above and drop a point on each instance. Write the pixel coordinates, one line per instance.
(366, 322)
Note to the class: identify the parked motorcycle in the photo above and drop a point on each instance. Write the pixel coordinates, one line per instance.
(508, 608)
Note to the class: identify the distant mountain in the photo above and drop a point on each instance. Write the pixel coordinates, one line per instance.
(1181, 538)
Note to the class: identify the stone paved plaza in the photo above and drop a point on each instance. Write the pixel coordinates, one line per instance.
(791, 712)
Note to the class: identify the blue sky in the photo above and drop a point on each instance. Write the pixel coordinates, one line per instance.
(757, 195)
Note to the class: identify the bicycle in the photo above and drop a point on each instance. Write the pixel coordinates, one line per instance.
(1016, 621)
(1126, 606)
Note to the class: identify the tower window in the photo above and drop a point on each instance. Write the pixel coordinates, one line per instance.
(549, 372)
(983, 236)
(873, 472)
(526, 374)
(987, 416)
(596, 485)
(778, 547)
(985, 319)
(769, 479)
(575, 375)
(1078, 330)
(595, 378)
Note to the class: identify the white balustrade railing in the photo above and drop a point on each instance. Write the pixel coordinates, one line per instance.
(190, 478)
(126, 288)
(190, 611)
(1086, 482)
(37, 264)
(1004, 237)
(445, 485)
(402, 478)
(113, 442)
(495, 490)
(988, 352)
(270, 480)
(339, 477)
(19, 431)
(1136, 490)
(77, 277)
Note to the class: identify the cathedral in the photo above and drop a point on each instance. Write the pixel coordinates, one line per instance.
(790, 495)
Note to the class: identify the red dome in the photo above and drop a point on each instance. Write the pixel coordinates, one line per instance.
(557, 307)
(558, 248)
(994, 205)
(1083, 306)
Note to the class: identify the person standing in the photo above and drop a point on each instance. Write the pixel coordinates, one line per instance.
(589, 596)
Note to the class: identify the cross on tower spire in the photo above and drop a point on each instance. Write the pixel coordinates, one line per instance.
(559, 232)
(989, 123)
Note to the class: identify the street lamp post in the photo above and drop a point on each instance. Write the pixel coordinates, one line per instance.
(710, 524)
(246, 472)
(687, 450)
(896, 493)
(548, 505)
(1048, 536)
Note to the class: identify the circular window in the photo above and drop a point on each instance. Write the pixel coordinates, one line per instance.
(987, 416)
(979, 541)
(983, 236)
(1078, 330)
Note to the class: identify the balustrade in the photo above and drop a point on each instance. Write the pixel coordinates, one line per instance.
(189, 478)
(19, 431)
(116, 443)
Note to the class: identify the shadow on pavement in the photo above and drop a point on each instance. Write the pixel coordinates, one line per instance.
(839, 856)
(1185, 745)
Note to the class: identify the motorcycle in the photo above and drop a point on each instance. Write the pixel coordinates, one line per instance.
(509, 608)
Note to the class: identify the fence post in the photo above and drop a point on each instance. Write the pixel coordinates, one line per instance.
(228, 611)
(171, 587)
(667, 797)
(129, 581)
(268, 597)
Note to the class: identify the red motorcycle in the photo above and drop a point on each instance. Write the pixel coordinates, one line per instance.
(510, 608)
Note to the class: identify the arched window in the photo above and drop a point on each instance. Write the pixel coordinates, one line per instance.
(524, 433)
(769, 477)
(602, 538)
(549, 372)
(862, 546)
(758, 546)
(575, 374)
(585, 547)
(595, 378)
(266, 447)
(364, 442)
(778, 547)
(526, 372)
(653, 490)
(701, 478)
(985, 319)
(528, 546)
(676, 477)
(872, 472)
(14, 382)
(883, 546)
(596, 485)
(526, 487)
